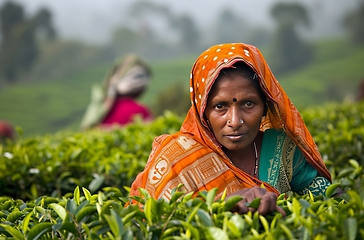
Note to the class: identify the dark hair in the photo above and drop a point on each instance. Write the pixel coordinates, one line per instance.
(242, 69)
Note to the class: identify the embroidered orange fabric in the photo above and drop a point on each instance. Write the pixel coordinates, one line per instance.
(193, 157)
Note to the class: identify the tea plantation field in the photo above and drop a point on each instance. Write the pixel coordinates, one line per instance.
(73, 185)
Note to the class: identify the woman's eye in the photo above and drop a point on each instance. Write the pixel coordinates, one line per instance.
(249, 104)
(219, 106)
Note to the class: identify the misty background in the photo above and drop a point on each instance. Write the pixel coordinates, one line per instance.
(95, 21)
(53, 51)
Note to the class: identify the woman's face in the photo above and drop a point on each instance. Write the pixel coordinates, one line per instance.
(234, 98)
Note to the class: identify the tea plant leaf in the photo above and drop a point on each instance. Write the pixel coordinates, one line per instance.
(231, 228)
(149, 210)
(205, 218)
(223, 196)
(187, 197)
(170, 231)
(286, 231)
(215, 233)
(350, 228)
(76, 153)
(49, 200)
(210, 197)
(331, 189)
(355, 198)
(76, 195)
(13, 216)
(144, 193)
(86, 193)
(192, 214)
(96, 183)
(175, 197)
(178, 188)
(115, 223)
(69, 227)
(128, 217)
(237, 220)
(354, 163)
(265, 223)
(38, 230)
(12, 231)
(315, 206)
(84, 212)
(26, 222)
(254, 204)
(281, 196)
(33, 190)
(274, 221)
(202, 194)
(127, 234)
(59, 210)
(71, 206)
(189, 227)
(231, 202)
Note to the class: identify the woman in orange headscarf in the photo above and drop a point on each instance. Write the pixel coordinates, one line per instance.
(241, 132)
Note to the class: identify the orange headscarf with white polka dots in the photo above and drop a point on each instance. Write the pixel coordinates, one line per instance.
(281, 111)
(193, 156)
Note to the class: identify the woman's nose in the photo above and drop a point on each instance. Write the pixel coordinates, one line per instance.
(234, 118)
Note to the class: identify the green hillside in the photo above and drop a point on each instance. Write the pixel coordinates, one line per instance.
(50, 106)
(334, 75)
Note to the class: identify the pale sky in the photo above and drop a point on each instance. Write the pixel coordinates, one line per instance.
(94, 20)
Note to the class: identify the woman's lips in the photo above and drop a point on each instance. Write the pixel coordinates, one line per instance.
(235, 136)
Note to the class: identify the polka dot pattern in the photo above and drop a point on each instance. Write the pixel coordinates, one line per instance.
(204, 73)
(208, 65)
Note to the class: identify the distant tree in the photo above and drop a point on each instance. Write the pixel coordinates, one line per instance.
(18, 47)
(229, 27)
(289, 51)
(189, 34)
(124, 40)
(354, 21)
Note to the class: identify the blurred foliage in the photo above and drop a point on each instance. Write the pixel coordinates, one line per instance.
(175, 98)
(338, 130)
(18, 47)
(62, 60)
(333, 75)
(289, 51)
(54, 105)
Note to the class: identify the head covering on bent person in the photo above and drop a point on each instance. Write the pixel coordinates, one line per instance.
(281, 114)
(128, 76)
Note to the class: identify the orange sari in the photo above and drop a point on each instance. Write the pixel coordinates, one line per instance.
(193, 157)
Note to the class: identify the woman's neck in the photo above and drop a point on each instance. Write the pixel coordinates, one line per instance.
(248, 158)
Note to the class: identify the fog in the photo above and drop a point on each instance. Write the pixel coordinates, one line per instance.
(94, 21)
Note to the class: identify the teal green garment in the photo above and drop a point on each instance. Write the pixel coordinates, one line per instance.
(284, 167)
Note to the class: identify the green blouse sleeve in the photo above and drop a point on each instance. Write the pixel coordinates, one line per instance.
(305, 177)
(303, 172)
(296, 174)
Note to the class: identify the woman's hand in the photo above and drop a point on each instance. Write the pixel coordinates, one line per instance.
(268, 201)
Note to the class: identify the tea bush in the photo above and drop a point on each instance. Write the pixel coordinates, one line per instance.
(338, 130)
(75, 186)
(54, 165)
(109, 215)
